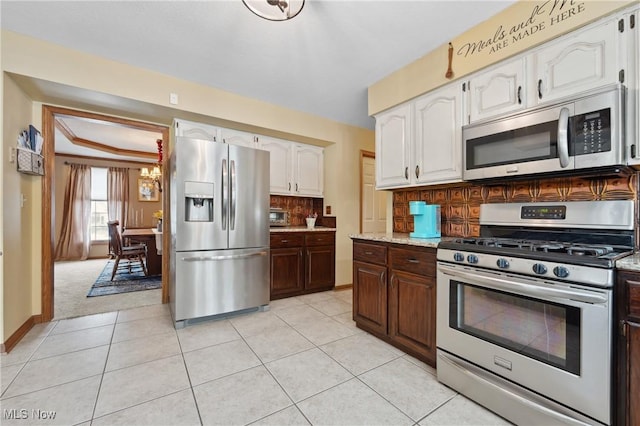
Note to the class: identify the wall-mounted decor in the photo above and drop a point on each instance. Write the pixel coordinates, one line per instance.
(147, 190)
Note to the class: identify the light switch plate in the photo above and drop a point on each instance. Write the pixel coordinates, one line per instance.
(173, 98)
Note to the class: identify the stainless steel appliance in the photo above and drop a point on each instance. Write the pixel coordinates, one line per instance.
(525, 311)
(278, 217)
(579, 133)
(219, 229)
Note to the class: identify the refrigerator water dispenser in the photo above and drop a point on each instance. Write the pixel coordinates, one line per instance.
(426, 219)
(198, 201)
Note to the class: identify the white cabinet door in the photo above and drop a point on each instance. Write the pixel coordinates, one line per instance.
(393, 137)
(497, 91)
(631, 48)
(309, 171)
(281, 167)
(238, 138)
(584, 60)
(438, 136)
(195, 130)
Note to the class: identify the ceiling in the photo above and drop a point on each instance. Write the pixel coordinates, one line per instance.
(321, 62)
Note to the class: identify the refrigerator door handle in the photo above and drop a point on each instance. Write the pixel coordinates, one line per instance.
(228, 257)
(225, 194)
(232, 196)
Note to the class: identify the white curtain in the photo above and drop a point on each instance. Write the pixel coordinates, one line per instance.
(118, 195)
(74, 241)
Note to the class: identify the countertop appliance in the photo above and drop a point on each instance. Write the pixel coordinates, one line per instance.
(219, 229)
(278, 217)
(426, 219)
(525, 311)
(579, 133)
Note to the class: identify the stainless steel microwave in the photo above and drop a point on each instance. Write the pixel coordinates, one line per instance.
(579, 133)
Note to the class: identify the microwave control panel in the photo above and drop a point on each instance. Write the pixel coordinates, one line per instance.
(592, 132)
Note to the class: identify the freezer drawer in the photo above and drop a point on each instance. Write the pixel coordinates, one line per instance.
(219, 281)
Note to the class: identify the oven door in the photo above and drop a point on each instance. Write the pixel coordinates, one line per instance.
(532, 142)
(549, 337)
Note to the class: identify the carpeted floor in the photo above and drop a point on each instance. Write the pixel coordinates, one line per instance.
(124, 281)
(72, 281)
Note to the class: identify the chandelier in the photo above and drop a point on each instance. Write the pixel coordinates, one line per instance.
(275, 10)
(156, 172)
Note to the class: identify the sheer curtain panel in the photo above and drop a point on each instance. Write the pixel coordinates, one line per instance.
(74, 241)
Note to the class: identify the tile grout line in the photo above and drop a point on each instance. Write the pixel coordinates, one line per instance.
(104, 368)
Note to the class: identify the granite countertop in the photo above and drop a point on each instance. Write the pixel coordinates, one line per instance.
(629, 263)
(399, 238)
(300, 229)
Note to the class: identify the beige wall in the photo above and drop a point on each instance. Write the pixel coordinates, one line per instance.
(533, 23)
(133, 87)
(17, 279)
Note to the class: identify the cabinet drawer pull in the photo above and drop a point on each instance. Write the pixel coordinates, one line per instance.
(413, 261)
(368, 253)
(284, 241)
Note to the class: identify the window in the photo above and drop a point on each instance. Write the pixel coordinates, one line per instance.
(98, 223)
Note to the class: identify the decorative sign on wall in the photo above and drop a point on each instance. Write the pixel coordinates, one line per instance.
(540, 17)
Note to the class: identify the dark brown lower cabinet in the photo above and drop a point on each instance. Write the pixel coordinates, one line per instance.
(627, 387)
(302, 262)
(394, 295)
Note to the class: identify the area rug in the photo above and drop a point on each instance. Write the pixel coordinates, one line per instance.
(123, 282)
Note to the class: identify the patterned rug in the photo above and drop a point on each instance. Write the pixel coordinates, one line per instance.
(123, 282)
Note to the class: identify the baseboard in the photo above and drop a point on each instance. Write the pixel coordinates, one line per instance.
(343, 287)
(13, 340)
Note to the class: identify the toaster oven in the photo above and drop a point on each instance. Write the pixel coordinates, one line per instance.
(278, 217)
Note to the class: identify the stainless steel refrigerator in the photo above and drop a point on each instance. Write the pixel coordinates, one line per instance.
(219, 197)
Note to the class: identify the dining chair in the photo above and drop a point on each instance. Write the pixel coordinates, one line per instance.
(128, 253)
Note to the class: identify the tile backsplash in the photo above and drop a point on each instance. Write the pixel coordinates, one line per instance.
(299, 208)
(460, 203)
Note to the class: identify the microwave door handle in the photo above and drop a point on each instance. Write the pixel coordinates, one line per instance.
(563, 137)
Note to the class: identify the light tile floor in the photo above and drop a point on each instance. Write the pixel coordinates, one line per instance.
(302, 362)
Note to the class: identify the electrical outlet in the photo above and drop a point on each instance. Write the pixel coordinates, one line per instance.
(328, 210)
(12, 154)
(173, 98)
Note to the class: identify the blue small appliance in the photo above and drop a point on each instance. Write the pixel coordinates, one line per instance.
(426, 219)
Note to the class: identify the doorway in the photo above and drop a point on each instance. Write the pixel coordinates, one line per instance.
(373, 204)
(49, 114)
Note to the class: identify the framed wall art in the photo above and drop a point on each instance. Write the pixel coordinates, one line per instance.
(147, 190)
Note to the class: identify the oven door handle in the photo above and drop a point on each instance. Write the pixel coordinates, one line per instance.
(516, 286)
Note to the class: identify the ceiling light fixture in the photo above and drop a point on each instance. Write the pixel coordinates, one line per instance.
(156, 173)
(275, 10)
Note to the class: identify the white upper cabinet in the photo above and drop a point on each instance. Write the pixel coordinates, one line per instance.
(393, 134)
(296, 169)
(238, 138)
(631, 48)
(437, 143)
(498, 90)
(309, 173)
(583, 60)
(195, 130)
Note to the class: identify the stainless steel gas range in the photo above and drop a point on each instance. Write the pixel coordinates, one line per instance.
(525, 311)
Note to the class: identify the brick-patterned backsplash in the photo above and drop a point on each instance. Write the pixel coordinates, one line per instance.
(460, 203)
(299, 208)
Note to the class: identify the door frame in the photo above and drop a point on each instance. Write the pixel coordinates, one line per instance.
(363, 154)
(49, 113)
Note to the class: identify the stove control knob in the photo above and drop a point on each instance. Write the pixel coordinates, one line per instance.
(458, 257)
(502, 263)
(472, 258)
(539, 269)
(560, 272)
